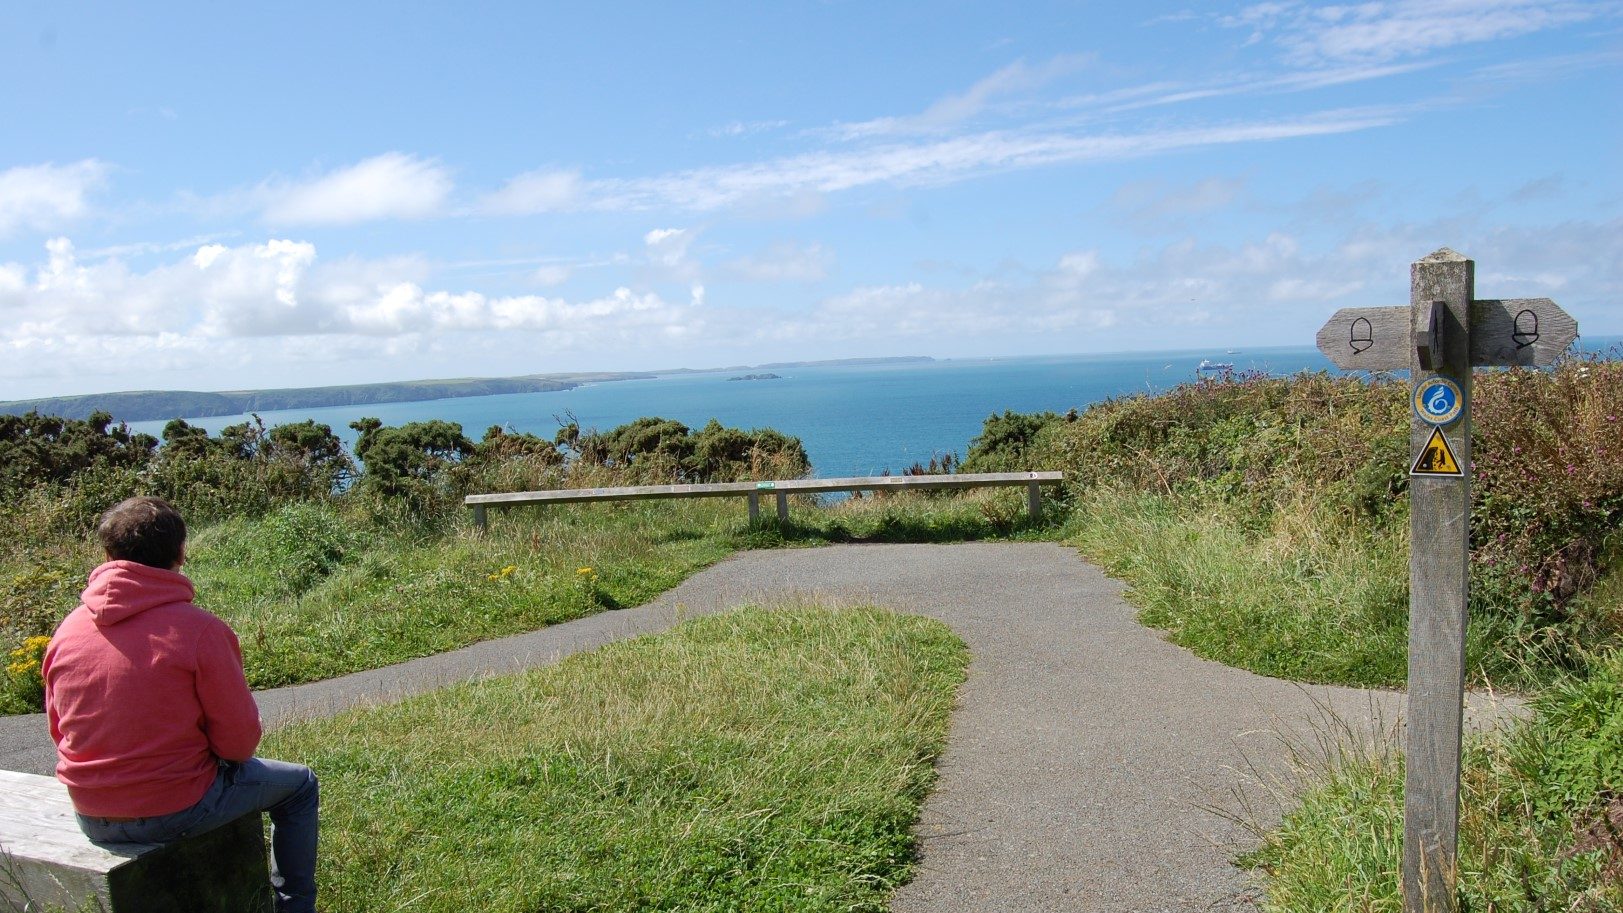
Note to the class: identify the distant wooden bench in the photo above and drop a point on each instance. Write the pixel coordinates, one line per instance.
(782, 490)
(47, 863)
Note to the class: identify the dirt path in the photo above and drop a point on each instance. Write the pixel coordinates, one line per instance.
(1090, 765)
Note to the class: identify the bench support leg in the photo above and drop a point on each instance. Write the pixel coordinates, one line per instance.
(755, 507)
(1034, 500)
(480, 521)
(783, 506)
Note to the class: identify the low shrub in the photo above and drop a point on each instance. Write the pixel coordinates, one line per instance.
(1547, 454)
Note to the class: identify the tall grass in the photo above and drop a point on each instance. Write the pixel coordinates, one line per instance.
(1541, 825)
(758, 760)
(1293, 598)
(312, 597)
(1263, 521)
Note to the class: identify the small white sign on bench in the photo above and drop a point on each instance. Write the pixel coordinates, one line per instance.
(47, 862)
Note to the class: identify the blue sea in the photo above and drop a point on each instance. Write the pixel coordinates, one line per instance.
(853, 420)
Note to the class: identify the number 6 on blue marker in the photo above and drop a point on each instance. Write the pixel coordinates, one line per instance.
(1438, 400)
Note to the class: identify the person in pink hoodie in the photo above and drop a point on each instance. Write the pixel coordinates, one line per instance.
(154, 724)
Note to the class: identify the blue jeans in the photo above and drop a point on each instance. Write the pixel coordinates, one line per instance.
(287, 791)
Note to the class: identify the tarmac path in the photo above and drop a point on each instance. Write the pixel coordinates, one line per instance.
(1091, 766)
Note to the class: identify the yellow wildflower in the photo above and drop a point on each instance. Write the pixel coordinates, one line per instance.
(26, 659)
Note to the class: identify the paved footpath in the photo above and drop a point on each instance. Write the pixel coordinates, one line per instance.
(1091, 764)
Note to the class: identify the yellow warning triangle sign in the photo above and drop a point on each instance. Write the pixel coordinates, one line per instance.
(1436, 458)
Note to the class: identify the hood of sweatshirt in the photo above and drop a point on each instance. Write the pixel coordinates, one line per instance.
(123, 589)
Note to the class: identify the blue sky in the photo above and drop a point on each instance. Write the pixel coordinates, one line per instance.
(222, 196)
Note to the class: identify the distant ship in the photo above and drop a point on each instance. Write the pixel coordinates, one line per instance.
(1215, 365)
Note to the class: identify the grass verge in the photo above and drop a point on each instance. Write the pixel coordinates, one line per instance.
(758, 760)
(1290, 598)
(1541, 824)
(312, 597)
(315, 591)
(1293, 593)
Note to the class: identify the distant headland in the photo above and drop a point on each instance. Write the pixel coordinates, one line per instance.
(757, 377)
(156, 405)
(151, 405)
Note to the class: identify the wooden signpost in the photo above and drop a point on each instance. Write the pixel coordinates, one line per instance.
(1439, 338)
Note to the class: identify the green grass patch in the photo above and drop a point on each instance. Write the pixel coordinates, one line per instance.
(1541, 823)
(311, 597)
(1286, 598)
(757, 760)
(316, 589)
(1296, 592)
(966, 516)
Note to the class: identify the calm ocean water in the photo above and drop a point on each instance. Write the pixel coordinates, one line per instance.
(853, 420)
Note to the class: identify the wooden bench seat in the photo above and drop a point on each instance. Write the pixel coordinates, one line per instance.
(752, 491)
(46, 863)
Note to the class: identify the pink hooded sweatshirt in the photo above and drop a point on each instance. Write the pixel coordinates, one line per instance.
(144, 692)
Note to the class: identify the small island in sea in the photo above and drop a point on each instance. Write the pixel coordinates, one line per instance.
(756, 377)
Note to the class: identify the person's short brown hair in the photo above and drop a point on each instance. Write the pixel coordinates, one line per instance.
(144, 530)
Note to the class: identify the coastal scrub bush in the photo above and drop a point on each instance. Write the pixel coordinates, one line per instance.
(1004, 440)
(655, 450)
(416, 452)
(1547, 465)
(47, 449)
(1308, 470)
(1242, 438)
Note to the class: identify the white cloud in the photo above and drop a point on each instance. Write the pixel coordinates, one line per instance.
(1390, 30)
(786, 262)
(1150, 204)
(551, 274)
(741, 128)
(13, 283)
(255, 290)
(948, 112)
(388, 186)
(280, 289)
(943, 161)
(44, 197)
(668, 252)
(535, 192)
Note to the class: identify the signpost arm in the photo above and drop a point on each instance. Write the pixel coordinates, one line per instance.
(1439, 526)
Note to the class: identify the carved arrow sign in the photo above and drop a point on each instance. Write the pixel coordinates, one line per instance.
(1511, 331)
(1520, 331)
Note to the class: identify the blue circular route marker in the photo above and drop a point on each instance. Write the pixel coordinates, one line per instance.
(1438, 401)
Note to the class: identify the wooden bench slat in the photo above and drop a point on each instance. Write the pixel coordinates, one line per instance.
(791, 486)
(49, 861)
(36, 819)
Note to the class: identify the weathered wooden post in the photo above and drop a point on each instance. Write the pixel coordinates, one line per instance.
(1441, 335)
(1034, 500)
(1440, 288)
